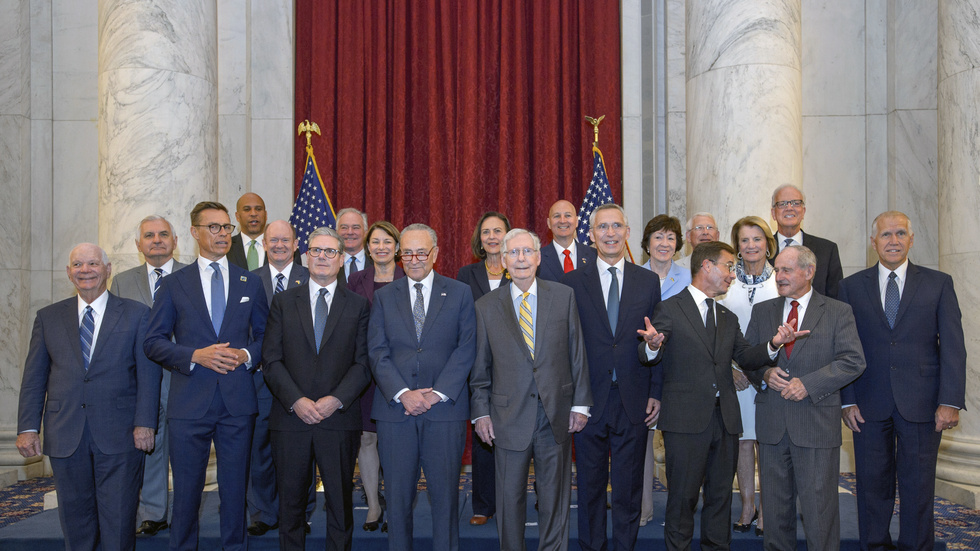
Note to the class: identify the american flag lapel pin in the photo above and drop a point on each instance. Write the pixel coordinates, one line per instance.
(243, 278)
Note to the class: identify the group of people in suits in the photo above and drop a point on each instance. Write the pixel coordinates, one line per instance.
(287, 369)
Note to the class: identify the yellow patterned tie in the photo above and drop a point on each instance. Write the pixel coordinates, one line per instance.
(527, 326)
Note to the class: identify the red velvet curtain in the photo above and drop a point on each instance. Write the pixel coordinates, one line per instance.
(436, 111)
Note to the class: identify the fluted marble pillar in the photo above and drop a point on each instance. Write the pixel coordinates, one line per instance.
(958, 471)
(744, 112)
(158, 138)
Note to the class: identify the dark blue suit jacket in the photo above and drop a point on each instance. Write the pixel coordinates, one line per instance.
(919, 364)
(606, 351)
(120, 390)
(441, 359)
(180, 310)
(552, 267)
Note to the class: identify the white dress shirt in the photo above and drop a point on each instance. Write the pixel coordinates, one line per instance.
(426, 295)
(781, 240)
(900, 274)
(151, 276)
(98, 312)
(572, 253)
(361, 260)
(204, 267)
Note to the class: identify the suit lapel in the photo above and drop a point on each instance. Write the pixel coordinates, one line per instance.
(912, 280)
(874, 293)
(436, 301)
(693, 315)
(190, 280)
(483, 280)
(811, 317)
(583, 260)
(336, 309)
(594, 288)
(507, 314)
(143, 284)
(236, 291)
(70, 318)
(110, 318)
(265, 276)
(305, 315)
(543, 318)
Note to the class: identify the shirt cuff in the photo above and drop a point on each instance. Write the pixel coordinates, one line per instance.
(651, 354)
(949, 406)
(584, 410)
(442, 397)
(478, 418)
(845, 406)
(398, 395)
(248, 360)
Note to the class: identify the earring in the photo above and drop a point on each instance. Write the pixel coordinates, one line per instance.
(739, 256)
(768, 253)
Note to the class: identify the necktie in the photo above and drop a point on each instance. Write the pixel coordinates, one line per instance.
(418, 311)
(787, 243)
(320, 316)
(612, 301)
(156, 284)
(527, 324)
(568, 261)
(279, 284)
(792, 319)
(217, 297)
(891, 300)
(86, 331)
(353, 265)
(253, 256)
(709, 321)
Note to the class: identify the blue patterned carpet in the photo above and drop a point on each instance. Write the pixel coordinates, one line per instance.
(958, 526)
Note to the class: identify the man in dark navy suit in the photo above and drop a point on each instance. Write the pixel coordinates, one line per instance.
(613, 297)
(216, 313)
(564, 254)
(422, 345)
(788, 209)
(909, 322)
(87, 376)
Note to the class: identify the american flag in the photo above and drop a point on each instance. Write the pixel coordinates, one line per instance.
(312, 208)
(597, 195)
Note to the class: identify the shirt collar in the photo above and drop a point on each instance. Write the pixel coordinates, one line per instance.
(246, 241)
(98, 305)
(604, 267)
(698, 294)
(572, 249)
(797, 238)
(426, 281)
(803, 301)
(285, 271)
(168, 267)
(900, 271)
(315, 288)
(516, 292)
(203, 263)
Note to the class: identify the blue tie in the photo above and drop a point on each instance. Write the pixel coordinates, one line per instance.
(612, 306)
(279, 286)
(156, 284)
(891, 300)
(86, 331)
(320, 316)
(217, 297)
(418, 311)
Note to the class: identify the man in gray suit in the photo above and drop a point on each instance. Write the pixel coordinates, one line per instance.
(797, 415)
(156, 240)
(277, 275)
(87, 377)
(530, 358)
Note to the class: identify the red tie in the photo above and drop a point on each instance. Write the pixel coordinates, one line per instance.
(792, 319)
(568, 261)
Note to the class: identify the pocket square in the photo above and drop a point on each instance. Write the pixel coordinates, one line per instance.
(244, 300)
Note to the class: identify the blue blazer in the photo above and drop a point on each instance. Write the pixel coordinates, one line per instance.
(441, 359)
(678, 278)
(605, 350)
(552, 267)
(120, 390)
(180, 310)
(919, 364)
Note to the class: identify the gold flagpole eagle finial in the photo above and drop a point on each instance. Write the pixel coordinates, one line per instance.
(309, 128)
(595, 128)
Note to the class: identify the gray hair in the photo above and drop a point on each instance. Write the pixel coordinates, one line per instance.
(421, 227)
(352, 210)
(105, 257)
(324, 230)
(690, 221)
(804, 257)
(887, 213)
(152, 218)
(518, 232)
(626, 219)
(786, 186)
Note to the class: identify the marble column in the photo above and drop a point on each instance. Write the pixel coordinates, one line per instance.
(958, 470)
(158, 137)
(744, 112)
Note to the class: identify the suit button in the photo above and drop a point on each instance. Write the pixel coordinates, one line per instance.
(83, 406)
(535, 370)
(894, 368)
(419, 350)
(615, 345)
(533, 396)
(86, 380)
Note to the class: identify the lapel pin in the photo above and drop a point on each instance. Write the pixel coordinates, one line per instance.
(243, 278)
(442, 294)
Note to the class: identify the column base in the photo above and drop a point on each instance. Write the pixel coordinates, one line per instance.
(961, 494)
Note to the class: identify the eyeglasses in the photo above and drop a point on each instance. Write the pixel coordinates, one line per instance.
(730, 265)
(704, 228)
(605, 226)
(416, 257)
(797, 203)
(216, 228)
(317, 251)
(516, 253)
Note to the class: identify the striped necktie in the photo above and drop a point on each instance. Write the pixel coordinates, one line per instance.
(87, 332)
(527, 324)
(279, 285)
(156, 284)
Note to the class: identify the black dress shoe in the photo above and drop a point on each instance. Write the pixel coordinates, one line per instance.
(151, 527)
(259, 528)
(758, 531)
(372, 526)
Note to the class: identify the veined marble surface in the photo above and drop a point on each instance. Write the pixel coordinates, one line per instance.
(914, 177)
(833, 57)
(913, 63)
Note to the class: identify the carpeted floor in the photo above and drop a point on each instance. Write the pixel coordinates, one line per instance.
(958, 526)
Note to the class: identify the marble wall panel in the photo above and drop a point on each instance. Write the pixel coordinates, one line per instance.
(233, 59)
(743, 139)
(15, 58)
(834, 182)
(959, 165)
(75, 59)
(15, 175)
(635, 193)
(40, 75)
(833, 57)
(876, 56)
(42, 196)
(876, 128)
(272, 64)
(676, 46)
(676, 140)
(913, 65)
(233, 158)
(957, 21)
(913, 177)
(272, 165)
(14, 336)
(75, 209)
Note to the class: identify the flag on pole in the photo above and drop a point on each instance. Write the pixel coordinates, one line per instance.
(312, 208)
(597, 195)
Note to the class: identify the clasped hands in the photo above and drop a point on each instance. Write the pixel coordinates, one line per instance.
(220, 357)
(419, 401)
(311, 412)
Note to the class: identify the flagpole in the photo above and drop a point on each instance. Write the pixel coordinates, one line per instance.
(595, 122)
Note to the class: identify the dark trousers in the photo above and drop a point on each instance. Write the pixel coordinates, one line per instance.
(333, 452)
(882, 451)
(190, 449)
(262, 497)
(484, 483)
(408, 448)
(705, 462)
(610, 432)
(97, 495)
